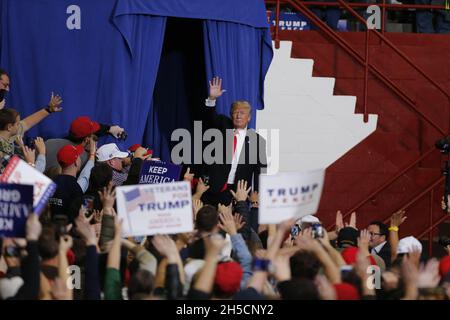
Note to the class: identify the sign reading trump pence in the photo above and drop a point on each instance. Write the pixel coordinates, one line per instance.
(289, 195)
(155, 208)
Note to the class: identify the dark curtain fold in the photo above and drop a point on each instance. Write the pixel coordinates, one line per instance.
(241, 56)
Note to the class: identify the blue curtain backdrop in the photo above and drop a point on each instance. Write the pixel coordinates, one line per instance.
(108, 68)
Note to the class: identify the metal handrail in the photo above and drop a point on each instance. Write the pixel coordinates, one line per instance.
(331, 33)
(362, 5)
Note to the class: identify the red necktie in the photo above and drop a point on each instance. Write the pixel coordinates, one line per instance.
(225, 186)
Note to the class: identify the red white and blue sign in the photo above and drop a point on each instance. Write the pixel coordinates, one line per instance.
(154, 172)
(16, 202)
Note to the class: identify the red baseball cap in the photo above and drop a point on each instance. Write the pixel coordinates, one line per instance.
(134, 147)
(67, 155)
(228, 277)
(83, 126)
(345, 291)
(349, 254)
(444, 266)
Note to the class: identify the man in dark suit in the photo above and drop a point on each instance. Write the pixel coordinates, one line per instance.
(379, 243)
(243, 150)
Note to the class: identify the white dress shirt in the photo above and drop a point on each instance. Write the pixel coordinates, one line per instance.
(240, 134)
(378, 248)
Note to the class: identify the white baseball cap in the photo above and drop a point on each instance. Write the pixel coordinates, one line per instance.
(110, 151)
(308, 219)
(408, 244)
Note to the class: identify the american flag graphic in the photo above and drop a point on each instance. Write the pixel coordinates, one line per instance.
(137, 196)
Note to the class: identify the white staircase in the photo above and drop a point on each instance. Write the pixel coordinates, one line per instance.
(315, 127)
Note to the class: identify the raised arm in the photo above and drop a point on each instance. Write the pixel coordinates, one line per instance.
(53, 106)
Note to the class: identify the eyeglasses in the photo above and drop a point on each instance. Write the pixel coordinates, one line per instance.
(373, 234)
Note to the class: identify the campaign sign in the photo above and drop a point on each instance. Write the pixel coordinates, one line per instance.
(289, 195)
(20, 172)
(153, 172)
(155, 209)
(16, 202)
(290, 21)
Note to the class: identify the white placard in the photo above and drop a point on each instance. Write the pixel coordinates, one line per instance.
(289, 195)
(19, 172)
(155, 209)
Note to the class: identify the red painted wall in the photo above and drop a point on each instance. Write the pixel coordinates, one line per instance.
(401, 136)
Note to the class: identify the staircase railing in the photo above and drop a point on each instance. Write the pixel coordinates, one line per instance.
(369, 67)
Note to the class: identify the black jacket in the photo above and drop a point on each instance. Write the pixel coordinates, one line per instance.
(252, 159)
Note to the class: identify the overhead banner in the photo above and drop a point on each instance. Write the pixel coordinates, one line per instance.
(155, 209)
(16, 202)
(289, 195)
(19, 172)
(153, 172)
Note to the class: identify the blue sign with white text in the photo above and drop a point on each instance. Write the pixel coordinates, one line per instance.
(16, 202)
(153, 172)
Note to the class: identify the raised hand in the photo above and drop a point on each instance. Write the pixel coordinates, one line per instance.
(40, 145)
(188, 176)
(141, 153)
(339, 221)
(197, 204)
(239, 221)
(29, 154)
(86, 229)
(201, 187)
(115, 131)
(241, 193)
(166, 246)
(363, 241)
(227, 222)
(429, 274)
(215, 88)
(33, 227)
(107, 197)
(65, 243)
(55, 103)
(398, 218)
(352, 221)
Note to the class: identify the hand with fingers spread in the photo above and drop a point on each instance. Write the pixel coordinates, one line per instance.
(398, 218)
(107, 197)
(188, 176)
(239, 221)
(40, 145)
(227, 222)
(29, 154)
(215, 88)
(429, 274)
(241, 193)
(166, 247)
(197, 204)
(201, 188)
(86, 229)
(55, 103)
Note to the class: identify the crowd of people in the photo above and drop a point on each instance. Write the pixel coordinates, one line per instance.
(229, 255)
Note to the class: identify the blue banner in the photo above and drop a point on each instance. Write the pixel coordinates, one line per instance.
(16, 202)
(154, 172)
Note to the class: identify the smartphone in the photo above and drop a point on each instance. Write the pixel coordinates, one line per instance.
(12, 252)
(88, 205)
(295, 230)
(205, 179)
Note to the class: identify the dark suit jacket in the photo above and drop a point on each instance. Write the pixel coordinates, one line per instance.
(252, 160)
(385, 254)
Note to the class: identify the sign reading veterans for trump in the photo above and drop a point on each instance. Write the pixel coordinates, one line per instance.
(16, 202)
(153, 172)
(289, 195)
(20, 172)
(155, 209)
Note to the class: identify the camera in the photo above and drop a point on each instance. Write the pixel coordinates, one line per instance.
(317, 230)
(295, 230)
(205, 179)
(88, 205)
(443, 145)
(122, 136)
